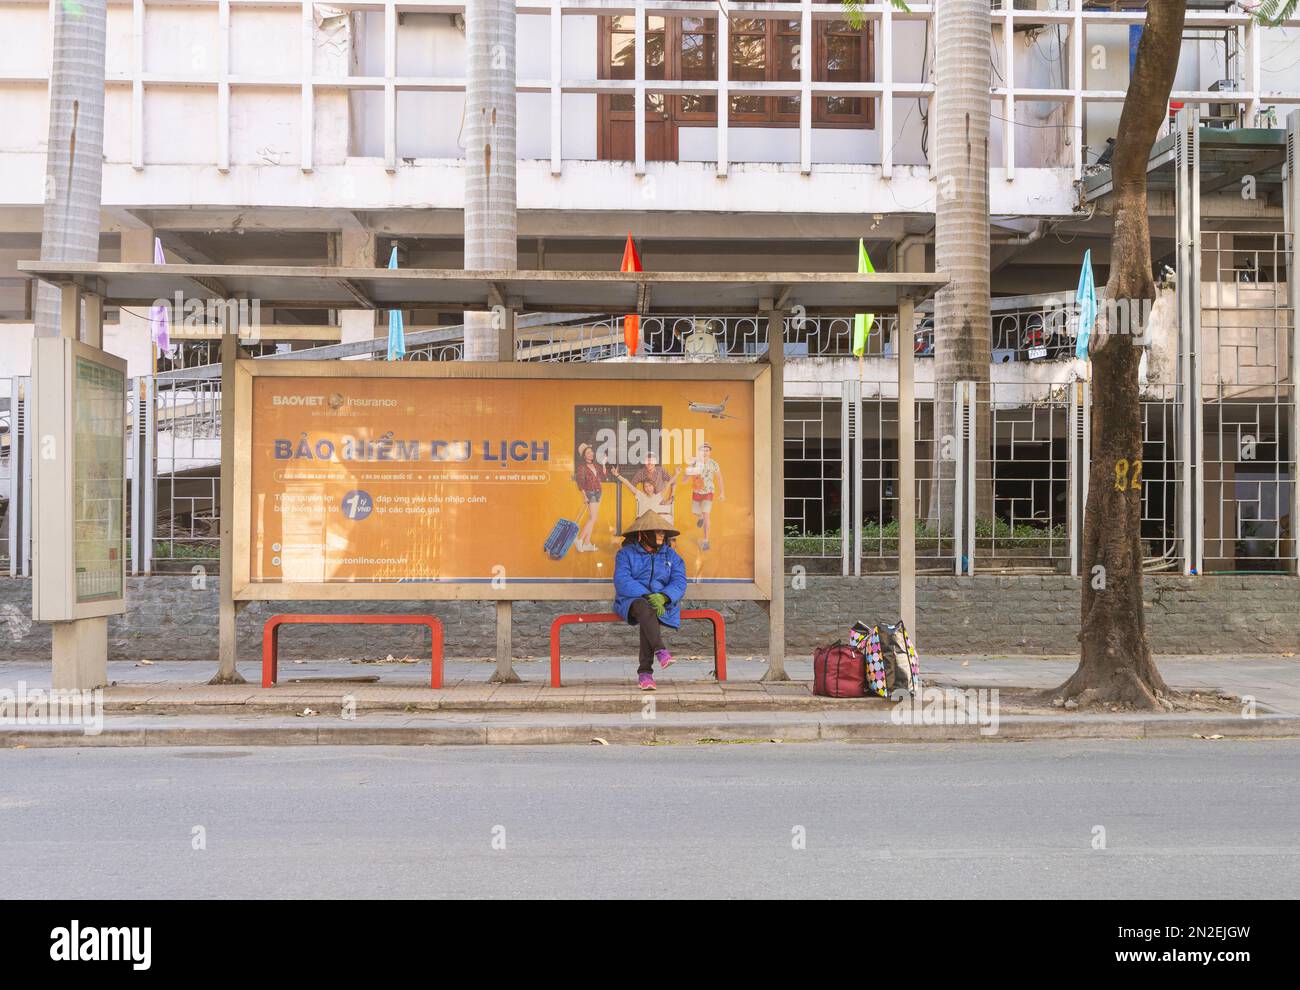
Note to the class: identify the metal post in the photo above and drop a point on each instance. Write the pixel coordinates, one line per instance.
(1291, 202)
(149, 474)
(227, 642)
(857, 477)
(15, 472)
(133, 438)
(25, 537)
(972, 469)
(907, 464)
(846, 398)
(1073, 506)
(776, 606)
(958, 472)
(1188, 209)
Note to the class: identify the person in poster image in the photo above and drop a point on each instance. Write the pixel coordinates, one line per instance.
(649, 584)
(590, 479)
(656, 476)
(706, 482)
(650, 498)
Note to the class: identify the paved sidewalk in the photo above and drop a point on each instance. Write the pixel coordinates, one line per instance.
(170, 704)
(608, 685)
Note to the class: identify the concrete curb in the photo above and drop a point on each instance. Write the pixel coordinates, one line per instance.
(1010, 729)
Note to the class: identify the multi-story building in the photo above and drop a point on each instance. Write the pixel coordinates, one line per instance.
(723, 136)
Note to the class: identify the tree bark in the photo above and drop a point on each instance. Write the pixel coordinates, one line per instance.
(491, 223)
(74, 163)
(962, 333)
(1115, 663)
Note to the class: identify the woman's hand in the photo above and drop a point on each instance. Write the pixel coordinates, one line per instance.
(658, 602)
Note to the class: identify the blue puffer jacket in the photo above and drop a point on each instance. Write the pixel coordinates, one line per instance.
(638, 572)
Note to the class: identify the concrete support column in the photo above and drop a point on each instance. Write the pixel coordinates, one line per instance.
(228, 608)
(776, 607)
(356, 249)
(505, 672)
(133, 321)
(80, 654)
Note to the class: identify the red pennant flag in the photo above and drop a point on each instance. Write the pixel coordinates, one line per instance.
(631, 324)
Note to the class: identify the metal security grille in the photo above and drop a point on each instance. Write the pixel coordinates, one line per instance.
(814, 472)
(183, 448)
(15, 477)
(1162, 478)
(875, 490)
(1028, 463)
(9, 459)
(1247, 401)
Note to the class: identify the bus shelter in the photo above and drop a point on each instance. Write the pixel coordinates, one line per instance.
(405, 481)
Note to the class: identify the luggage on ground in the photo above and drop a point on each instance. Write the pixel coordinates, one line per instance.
(898, 658)
(839, 671)
(561, 538)
(876, 680)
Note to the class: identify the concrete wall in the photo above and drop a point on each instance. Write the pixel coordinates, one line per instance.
(169, 620)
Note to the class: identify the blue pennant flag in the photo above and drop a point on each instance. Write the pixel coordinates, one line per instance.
(396, 331)
(1085, 301)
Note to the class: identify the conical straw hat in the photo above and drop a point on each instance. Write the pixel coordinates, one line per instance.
(649, 521)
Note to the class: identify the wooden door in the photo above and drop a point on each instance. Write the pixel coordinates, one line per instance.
(615, 113)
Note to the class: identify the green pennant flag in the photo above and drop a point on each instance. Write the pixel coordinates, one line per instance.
(862, 322)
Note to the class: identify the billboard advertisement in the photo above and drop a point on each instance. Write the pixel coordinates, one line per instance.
(494, 482)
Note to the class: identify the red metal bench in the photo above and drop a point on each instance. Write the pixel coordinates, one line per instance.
(719, 636)
(271, 637)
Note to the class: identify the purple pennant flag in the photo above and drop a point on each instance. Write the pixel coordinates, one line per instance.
(159, 323)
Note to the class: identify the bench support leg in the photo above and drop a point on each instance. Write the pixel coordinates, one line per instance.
(227, 651)
(505, 672)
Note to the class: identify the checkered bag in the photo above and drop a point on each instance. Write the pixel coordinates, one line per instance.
(875, 665)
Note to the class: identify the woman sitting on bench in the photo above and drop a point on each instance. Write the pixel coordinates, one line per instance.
(649, 583)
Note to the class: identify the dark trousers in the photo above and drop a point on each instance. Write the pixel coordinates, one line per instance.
(643, 614)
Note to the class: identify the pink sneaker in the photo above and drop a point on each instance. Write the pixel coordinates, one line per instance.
(665, 659)
(645, 682)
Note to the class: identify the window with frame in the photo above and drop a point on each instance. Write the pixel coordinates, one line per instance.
(761, 49)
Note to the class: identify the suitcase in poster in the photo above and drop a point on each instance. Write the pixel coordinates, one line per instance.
(561, 538)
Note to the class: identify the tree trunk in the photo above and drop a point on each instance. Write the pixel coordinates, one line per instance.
(74, 163)
(490, 209)
(962, 334)
(1115, 664)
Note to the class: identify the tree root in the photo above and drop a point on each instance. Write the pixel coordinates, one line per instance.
(1119, 688)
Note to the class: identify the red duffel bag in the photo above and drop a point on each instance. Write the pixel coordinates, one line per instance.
(839, 671)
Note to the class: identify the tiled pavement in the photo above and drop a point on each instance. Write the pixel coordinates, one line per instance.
(607, 686)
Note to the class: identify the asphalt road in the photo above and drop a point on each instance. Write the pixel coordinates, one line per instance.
(1193, 818)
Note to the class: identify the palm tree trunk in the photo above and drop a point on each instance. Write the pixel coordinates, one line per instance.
(1115, 664)
(490, 206)
(74, 163)
(962, 341)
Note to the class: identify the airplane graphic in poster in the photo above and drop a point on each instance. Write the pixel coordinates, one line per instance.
(718, 410)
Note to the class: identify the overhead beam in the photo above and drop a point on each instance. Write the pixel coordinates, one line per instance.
(356, 292)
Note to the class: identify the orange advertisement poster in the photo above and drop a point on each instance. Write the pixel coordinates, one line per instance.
(461, 480)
